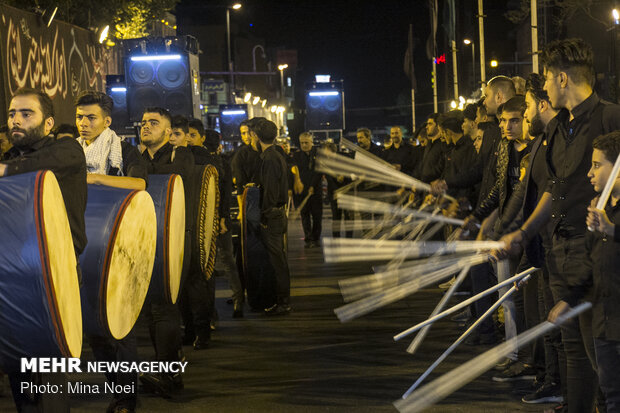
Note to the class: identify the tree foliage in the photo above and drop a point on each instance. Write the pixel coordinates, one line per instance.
(127, 18)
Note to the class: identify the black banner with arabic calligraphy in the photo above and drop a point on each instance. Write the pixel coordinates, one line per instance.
(62, 60)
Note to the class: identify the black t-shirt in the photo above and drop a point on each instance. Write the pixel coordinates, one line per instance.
(64, 157)
(273, 179)
(245, 164)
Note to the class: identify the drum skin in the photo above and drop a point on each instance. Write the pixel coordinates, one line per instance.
(40, 312)
(169, 200)
(208, 219)
(117, 262)
(259, 274)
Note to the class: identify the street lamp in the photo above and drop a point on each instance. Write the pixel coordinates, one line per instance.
(235, 6)
(473, 59)
(281, 68)
(494, 63)
(616, 15)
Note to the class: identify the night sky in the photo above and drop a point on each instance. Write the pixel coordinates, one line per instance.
(362, 42)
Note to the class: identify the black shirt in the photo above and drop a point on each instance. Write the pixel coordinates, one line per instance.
(245, 164)
(64, 157)
(272, 178)
(403, 156)
(459, 157)
(433, 160)
(133, 164)
(604, 253)
(182, 164)
(569, 156)
(306, 163)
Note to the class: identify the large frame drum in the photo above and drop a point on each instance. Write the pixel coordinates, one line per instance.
(208, 218)
(117, 263)
(40, 313)
(259, 274)
(169, 199)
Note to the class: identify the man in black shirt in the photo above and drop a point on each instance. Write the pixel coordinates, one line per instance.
(162, 158)
(400, 154)
(272, 177)
(245, 163)
(364, 141)
(312, 212)
(499, 90)
(432, 162)
(30, 121)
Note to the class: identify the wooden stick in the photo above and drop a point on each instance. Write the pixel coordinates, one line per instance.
(455, 379)
(465, 303)
(297, 210)
(463, 336)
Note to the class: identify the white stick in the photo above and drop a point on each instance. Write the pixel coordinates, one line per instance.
(463, 336)
(370, 164)
(353, 310)
(444, 300)
(368, 205)
(356, 148)
(609, 186)
(349, 249)
(455, 379)
(358, 287)
(464, 304)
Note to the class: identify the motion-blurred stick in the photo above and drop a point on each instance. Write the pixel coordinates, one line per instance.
(364, 306)
(415, 344)
(465, 303)
(455, 379)
(463, 336)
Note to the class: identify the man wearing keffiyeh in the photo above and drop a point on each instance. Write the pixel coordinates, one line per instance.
(104, 150)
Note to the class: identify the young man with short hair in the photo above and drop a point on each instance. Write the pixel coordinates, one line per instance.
(109, 160)
(272, 177)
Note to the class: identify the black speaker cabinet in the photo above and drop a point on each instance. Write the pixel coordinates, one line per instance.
(117, 89)
(325, 107)
(170, 81)
(231, 117)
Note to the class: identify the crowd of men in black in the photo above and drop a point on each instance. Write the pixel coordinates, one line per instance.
(93, 154)
(526, 165)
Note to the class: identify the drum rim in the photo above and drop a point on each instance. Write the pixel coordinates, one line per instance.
(169, 192)
(45, 265)
(208, 262)
(103, 287)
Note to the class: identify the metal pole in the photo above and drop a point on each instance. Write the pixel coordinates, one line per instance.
(435, 86)
(282, 84)
(534, 8)
(410, 40)
(230, 63)
(473, 63)
(455, 72)
(483, 76)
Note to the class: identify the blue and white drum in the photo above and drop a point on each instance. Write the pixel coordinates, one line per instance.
(169, 199)
(40, 312)
(117, 263)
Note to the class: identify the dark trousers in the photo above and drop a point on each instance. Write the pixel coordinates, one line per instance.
(273, 227)
(565, 259)
(108, 349)
(311, 216)
(482, 278)
(164, 327)
(337, 215)
(225, 261)
(198, 305)
(39, 402)
(526, 301)
(552, 341)
(608, 361)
